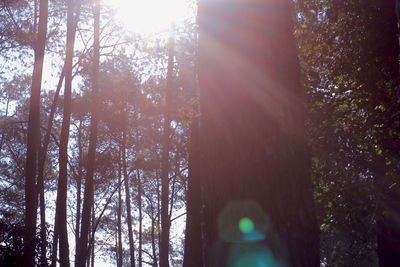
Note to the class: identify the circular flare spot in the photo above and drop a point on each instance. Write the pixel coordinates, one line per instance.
(246, 225)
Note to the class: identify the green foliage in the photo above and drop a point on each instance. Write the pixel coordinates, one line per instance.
(347, 62)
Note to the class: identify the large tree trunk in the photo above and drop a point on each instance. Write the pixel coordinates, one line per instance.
(88, 194)
(165, 166)
(258, 205)
(33, 142)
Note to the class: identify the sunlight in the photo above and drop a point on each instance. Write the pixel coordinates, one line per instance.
(150, 16)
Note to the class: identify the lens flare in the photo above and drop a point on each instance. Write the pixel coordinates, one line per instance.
(246, 225)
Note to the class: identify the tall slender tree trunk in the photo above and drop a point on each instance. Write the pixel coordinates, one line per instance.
(61, 204)
(33, 142)
(165, 166)
(78, 188)
(88, 194)
(41, 168)
(119, 228)
(92, 241)
(42, 161)
(258, 205)
(140, 217)
(128, 202)
(153, 237)
(158, 217)
(3, 133)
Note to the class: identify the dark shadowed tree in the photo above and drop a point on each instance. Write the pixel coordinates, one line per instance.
(253, 156)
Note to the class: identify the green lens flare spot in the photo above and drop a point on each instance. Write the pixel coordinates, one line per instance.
(246, 225)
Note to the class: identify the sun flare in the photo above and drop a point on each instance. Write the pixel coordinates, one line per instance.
(150, 16)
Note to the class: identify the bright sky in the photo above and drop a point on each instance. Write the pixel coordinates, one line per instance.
(150, 16)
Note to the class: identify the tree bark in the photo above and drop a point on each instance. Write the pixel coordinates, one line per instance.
(165, 220)
(33, 140)
(258, 205)
(88, 194)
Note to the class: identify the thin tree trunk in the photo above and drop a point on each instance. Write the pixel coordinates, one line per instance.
(40, 181)
(140, 217)
(153, 239)
(119, 230)
(78, 189)
(165, 220)
(4, 129)
(43, 154)
(33, 142)
(158, 225)
(43, 235)
(116, 243)
(93, 241)
(61, 205)
(41, 167)
(88, 194)
(128, 203)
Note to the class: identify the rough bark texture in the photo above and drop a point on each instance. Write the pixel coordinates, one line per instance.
(165, 166)
(88, 194)
(253, 151)
(33, 142)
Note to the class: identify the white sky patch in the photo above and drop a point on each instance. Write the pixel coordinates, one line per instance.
(149, 16)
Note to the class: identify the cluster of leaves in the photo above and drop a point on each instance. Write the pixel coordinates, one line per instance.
(348, 57)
